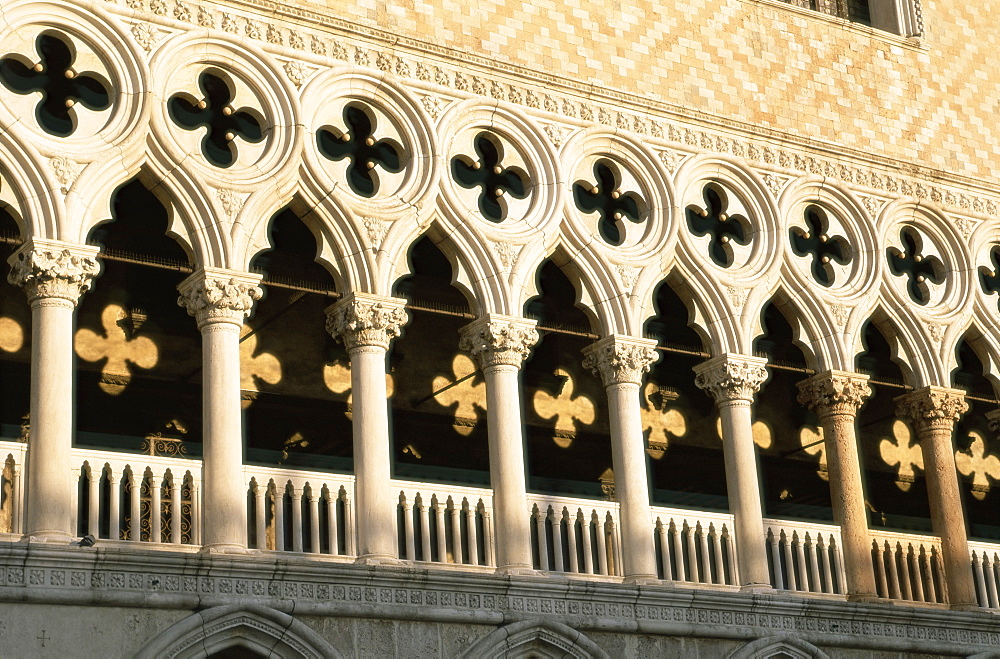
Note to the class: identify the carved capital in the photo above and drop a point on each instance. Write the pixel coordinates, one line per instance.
(932, 408)
(213, 295)
(52, 269)
(731, 377)
(620, 359)
(495, 340)
(361, 320)
(993, 421)
(835, 392)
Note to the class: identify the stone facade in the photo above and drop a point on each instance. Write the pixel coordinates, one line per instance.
(744, 154)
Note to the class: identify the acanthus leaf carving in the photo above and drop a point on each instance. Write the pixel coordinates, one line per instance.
(53, 270)
(212, 295)
(507, 254)
(363, 321)
(620, 360)
(731, 377)
(932, 408)
(232, 202)
(834, 392)
(499, 340)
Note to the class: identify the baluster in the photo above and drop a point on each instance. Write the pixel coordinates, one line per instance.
(838, 564)
(913, 574)
(878, 563)
(260, 515)
(17, 488)
(279, 518)
(114, 512)
(350, 548)
(442, 537)
(297, 532)
(897, 587)
(678, 545)
(775, 552)
(692, 552)
(332, 530)
(991, 580)
(703, 556)
(977, 573)
(602, 545)
(175, 509)
(663, 533)
(731, 577)
(543, 540)
(928, 560)
(155, 519)
(786, 550)
(195, 513)
(314, 546)
(824, 559)
(456, 531)
(557, 544)
(801, 571)
(616, 548)
(574, 558)
(470, 525)
(425, 529)
(94, 503)
(813, 557)
(409, 550)
(717, 576)
(588, 556)
(135, 510)
(490, 551)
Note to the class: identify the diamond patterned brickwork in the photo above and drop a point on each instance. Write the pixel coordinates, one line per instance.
(757, 62)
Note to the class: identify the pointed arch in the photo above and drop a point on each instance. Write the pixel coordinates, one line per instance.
(535, 638)
(579, 276)
(782, 645)
(251, 626)
(894, 333)
(812, 331)
(985, 346)
(39, 213)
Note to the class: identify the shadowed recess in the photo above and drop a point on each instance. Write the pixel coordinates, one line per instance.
(488, 173)
(917, 268)
(215, 112)
(610, 203)
(713, 221)
(359, 145)
(815, 241)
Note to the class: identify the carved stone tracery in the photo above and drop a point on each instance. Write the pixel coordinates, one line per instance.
(47, 269)
(219, 296)
(620, 359)
(366, 320)
(499, 340)
(834, 393)
(731, 377)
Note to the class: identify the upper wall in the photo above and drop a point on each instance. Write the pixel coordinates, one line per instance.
(762, 63)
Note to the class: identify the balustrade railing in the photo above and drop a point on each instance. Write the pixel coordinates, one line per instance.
(695, 547)
(445, 523)
(300, 511)
(137, 498)
(12, 456)
(908, 567)
(986, 571)
(805, 557)
(578, 536)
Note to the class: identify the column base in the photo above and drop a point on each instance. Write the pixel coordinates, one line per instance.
(49, 537)
(381, 561)
(758, 589)
(643, 580)
(963, 606)
(223, 549)
(865, 598)
(518, 571)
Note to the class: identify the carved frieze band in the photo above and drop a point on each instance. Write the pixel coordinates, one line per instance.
(366, 320)
(49, 269)
(834, 393)
(731, 377)
(932, 408)
(499, 340)
(620, 359)
(213, 295)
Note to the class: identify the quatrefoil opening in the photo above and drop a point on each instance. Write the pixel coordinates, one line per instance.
(815, 241)
(488, 173)
(721, 228)
(60, 86)
(215, 112)
(917, 268)
(359, 145)
(989, 277)
(612, 205)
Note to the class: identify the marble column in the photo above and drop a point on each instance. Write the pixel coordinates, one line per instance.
(53, 275)
(499, 344)
(836, 397)
(220, 301)
(367, 324)
(621, 362)
(732, 381)
(933, 411)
